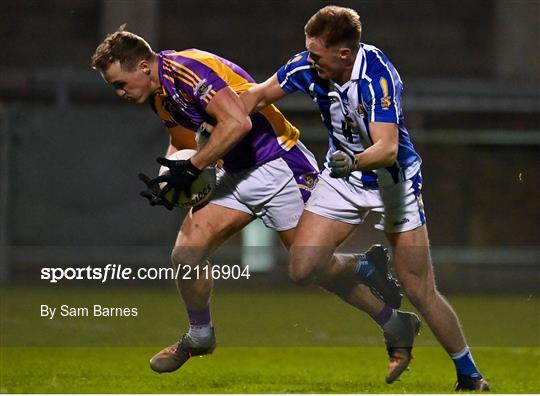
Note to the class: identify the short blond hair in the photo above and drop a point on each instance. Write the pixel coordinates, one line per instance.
(122, 46)
(335, 25)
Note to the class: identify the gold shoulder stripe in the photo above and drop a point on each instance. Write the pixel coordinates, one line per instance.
(180, 73)
(233, 79)
(188, 82)
(175, 65)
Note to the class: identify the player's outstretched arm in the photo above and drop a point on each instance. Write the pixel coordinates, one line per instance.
(232, 124)
(261, 95)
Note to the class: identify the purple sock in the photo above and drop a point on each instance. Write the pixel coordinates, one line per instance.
(383, 316)
(199, 318)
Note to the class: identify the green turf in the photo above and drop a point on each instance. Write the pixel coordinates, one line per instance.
(285, 317)
(270, 341)
(254, 370)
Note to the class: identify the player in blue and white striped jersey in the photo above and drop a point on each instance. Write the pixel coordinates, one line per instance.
(372, 94)
(371, 165)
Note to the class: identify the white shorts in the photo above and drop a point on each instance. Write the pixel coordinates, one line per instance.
(400, 204)
(269, 192)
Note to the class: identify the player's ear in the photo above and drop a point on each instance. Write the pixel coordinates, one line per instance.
(344, 53)
(144, 66)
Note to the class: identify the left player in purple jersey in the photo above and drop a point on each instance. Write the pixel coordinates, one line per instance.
(267, 172)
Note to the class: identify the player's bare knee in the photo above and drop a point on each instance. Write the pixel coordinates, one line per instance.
(182, 255)
(301, 275)
(176, 256)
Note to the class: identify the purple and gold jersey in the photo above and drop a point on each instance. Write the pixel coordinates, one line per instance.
(191, 78)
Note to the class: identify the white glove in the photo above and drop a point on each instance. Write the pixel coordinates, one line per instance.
(341, 164)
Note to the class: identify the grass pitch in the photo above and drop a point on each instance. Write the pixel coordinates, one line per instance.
(284, 341)
(255, 370)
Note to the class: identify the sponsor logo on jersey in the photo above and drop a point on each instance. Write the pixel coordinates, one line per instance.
(202, 89)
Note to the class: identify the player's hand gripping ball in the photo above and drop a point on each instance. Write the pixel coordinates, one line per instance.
(201, 187)
(179, 183)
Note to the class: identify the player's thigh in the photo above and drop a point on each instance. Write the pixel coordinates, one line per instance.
(211, 225)
(316, 230)
(287, 237)
(339, 200)
(274, 194)
(403, 208)
(206, 228)
(316, 238)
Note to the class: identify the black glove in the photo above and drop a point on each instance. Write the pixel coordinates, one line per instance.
(152, 193)
(181, 175)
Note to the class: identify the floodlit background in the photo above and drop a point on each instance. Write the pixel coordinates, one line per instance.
(71, 149)
(70, 152)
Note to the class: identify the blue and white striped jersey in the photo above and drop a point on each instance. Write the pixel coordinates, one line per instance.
(372, 94)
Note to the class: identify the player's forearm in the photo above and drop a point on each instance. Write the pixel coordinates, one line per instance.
(383, 152)
(253, 100)
(223, 138)
(261, 95)
(380, 155)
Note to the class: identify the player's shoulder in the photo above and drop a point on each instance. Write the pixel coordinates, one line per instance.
(297, 74)
(193, 57)
(195, 53)
(173, 61)
(298, 62)
(186, 56)
(377, 62)
(191, 64)
(374, 54)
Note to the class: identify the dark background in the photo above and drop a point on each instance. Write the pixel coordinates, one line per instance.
(70, 150)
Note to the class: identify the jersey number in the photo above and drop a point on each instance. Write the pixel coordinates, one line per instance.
(348, 131)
